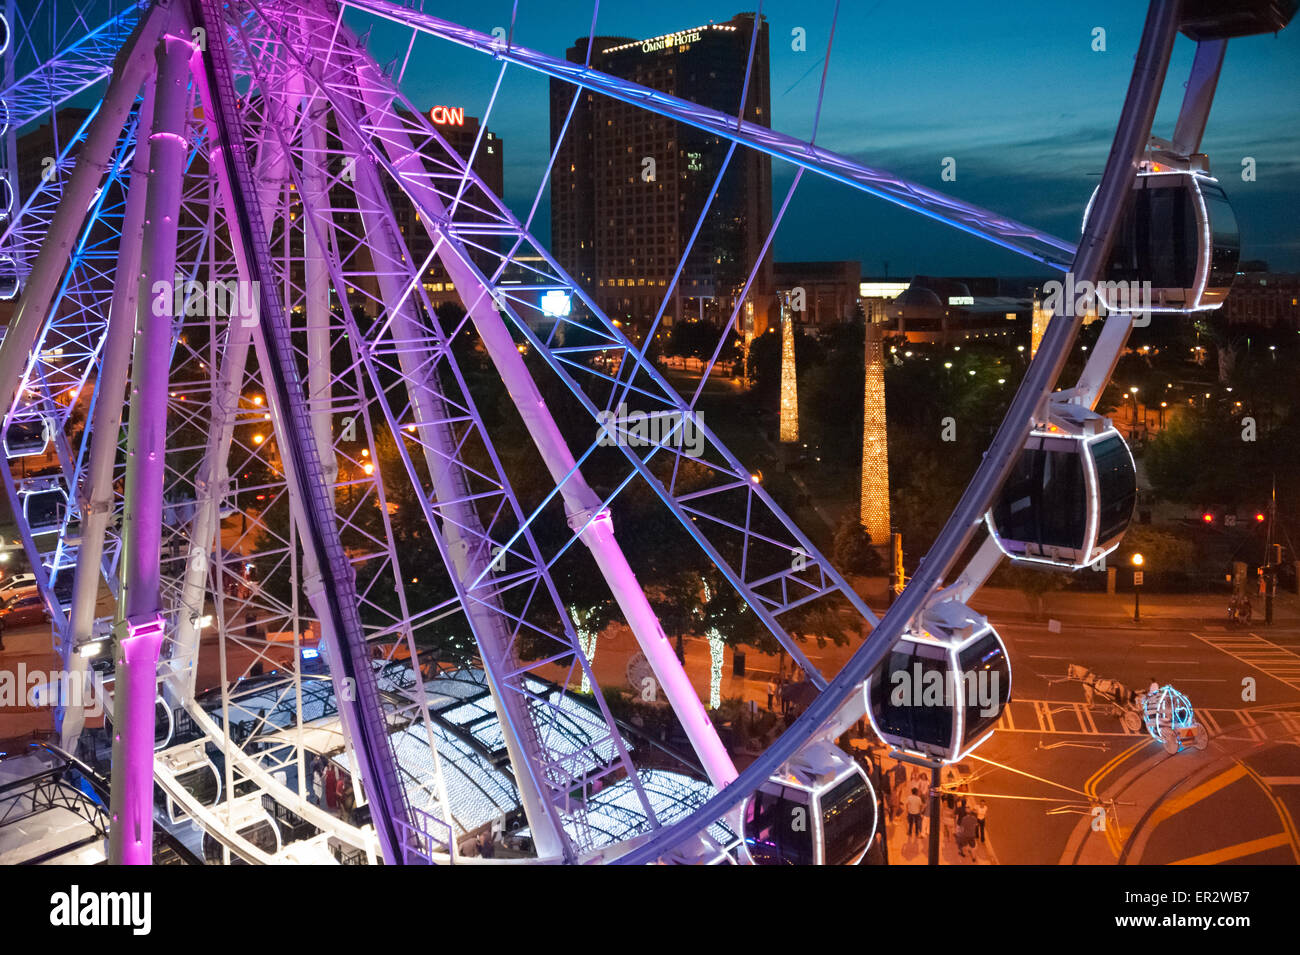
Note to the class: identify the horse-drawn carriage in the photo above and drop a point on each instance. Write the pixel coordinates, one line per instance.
(1112, 694)
(1167, 714)
(1169, 718)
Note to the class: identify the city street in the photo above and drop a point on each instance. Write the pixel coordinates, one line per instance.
(1054, 759)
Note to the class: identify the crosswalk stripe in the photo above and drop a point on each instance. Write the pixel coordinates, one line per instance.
(1260, 654)
(1101, 721)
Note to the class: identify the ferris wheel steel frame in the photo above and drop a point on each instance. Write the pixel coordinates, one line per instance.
(273, 48)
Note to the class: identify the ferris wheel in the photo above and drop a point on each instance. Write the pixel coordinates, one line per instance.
(252, 446)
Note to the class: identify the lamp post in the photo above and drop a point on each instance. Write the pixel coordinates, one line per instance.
(1137, 560)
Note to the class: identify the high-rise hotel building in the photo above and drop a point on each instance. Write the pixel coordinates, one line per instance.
(620, 223)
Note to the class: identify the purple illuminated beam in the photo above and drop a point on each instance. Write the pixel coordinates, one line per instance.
(990, 226)
(135, 692)
(139, 622)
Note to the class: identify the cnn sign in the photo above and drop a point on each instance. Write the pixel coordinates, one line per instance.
(448, 115)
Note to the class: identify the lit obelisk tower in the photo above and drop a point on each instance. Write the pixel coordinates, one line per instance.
(875, 446)
(1038, 328)
(789, 386)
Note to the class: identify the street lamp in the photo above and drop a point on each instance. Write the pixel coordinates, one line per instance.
(1137, 560)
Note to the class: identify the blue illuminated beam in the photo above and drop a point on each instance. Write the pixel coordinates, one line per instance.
(71, 70)
(990, 226)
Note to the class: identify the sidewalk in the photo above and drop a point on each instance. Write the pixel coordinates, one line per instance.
(914, 849)
(1175, 611)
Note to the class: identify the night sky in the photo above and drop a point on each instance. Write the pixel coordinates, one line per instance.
(1012, 90)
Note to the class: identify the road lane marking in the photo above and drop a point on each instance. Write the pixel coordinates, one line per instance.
(1114, 834)
(1085, 719)
(1097, 719)
(1044, 713)
(1171, 807)
(1283, 813)
(1259, 654)
(1239, 851)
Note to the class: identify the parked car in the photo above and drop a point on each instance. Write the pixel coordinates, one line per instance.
(16, 584)
(27, 612)
(10, 581)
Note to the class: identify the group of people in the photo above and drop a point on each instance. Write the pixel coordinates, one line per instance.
(1239, 609)
(778, 694)
(969, 826)
(332, 789)
(909, 792)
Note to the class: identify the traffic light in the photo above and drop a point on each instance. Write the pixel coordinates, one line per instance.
(1207, 517)
(1259, 517)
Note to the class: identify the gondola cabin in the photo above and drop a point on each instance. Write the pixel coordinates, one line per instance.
(1071, 494)
(251, 822)
(10, 280)
(27, 437)
(820, 809)
(1179, 233)
(45, 506)
(943, 687)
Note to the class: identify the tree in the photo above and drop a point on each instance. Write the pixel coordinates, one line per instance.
(854, 551)
(1034, 582)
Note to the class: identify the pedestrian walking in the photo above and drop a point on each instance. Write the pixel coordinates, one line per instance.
(966, 827)
(331, 788)
(346, 801)
(948, 780)
(900, 778)
(317, 783)
(914, 807)
(981, 811)
(771, 695)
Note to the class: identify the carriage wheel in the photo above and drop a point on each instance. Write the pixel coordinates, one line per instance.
(1131, 721)
(1200, 736)
(1170, 740)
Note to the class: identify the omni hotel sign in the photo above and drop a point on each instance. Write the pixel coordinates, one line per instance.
(655, 44)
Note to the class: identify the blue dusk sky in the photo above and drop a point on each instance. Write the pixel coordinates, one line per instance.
(1011, 89)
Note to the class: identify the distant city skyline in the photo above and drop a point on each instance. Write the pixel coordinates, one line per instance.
(1014, 93)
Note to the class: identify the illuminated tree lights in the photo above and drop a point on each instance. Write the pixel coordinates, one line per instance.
(586, 640)
(1038, 328)
(789, 386)
(717, 647)
(875, 445)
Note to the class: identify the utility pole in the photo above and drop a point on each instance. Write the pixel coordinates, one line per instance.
(934, 814)
(1272, 561)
